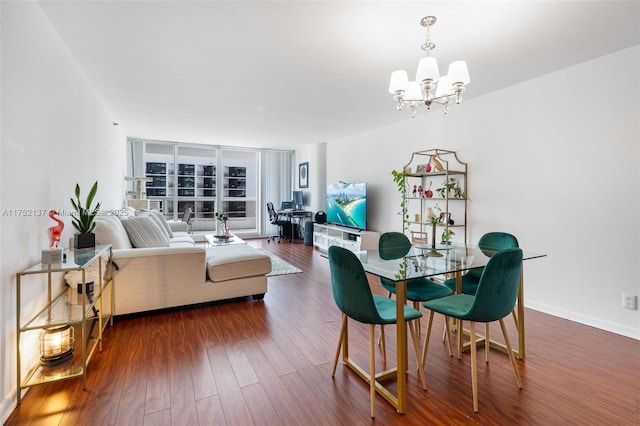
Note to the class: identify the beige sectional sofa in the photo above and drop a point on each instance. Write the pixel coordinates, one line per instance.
(180, 272)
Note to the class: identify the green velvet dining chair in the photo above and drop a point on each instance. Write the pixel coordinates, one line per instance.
(494, 299)
(490, 242)
(395, 245)
(352, 295)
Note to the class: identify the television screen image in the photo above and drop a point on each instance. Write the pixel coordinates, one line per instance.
(347, 204)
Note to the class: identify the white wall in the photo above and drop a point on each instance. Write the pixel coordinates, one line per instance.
(55, 132)
(554, 161)
(315, 194)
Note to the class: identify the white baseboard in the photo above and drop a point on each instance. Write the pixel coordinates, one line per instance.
(586, 320)
(8, 405)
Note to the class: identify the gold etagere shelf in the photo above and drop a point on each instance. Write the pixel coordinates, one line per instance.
(88, 315)
(448, 200)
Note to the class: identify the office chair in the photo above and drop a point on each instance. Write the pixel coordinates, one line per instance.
(495, 298)
(186, 218)
(278, 220)
(395, 245)
(353, 296)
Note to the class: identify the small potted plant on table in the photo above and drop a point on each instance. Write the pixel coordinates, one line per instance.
(84, 218)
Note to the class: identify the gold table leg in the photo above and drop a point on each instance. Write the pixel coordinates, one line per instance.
(401, 341)
(399, 402)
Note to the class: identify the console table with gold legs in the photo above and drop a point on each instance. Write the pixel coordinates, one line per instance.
(66, 314)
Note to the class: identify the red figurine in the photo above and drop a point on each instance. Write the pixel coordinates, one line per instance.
(429, 193)
(55, 232)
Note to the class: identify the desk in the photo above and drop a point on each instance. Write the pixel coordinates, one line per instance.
(453, 259)
(292, 215)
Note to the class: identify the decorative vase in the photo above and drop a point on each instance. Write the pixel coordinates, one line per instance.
(81, 241)
(225, 230)
(433, 252)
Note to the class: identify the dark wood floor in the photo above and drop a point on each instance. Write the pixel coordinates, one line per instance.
(269, 363)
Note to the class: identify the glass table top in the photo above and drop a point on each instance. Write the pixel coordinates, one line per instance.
(74, 259)
(421, 261)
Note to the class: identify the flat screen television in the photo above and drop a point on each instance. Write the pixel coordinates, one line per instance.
(347, 204)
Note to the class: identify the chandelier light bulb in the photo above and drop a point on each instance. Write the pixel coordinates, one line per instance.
(399, 81)
(458, 73)
(444, 87)
(413, 92)
(427, 69)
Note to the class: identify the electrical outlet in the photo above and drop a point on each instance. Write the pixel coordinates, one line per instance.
(629, 301)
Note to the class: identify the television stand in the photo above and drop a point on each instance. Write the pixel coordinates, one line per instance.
(327, 234)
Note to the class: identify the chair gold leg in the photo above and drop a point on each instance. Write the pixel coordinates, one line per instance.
(447, 334)
(474, 367)
(486, 342)
(426, 340)
(416, 306)
(372, 368)
(460, 332)
(384, 344)
(416, 348)
(511, 355)
(340, 341)
(381, 338)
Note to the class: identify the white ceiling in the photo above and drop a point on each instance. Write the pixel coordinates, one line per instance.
(283, 73)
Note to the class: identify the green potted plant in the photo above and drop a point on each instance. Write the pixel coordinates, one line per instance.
(83, 218)
(400, 178)
(446, 236)
(449, 187)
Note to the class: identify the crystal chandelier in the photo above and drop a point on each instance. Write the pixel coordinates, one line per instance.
(429, 87)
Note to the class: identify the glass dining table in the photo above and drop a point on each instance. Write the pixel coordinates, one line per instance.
(427, 261)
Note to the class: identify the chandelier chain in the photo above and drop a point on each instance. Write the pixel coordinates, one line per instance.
(428, 45)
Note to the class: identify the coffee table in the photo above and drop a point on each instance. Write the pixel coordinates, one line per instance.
(219, 240)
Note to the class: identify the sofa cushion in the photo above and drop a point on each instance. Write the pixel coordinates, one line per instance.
(181, 241)
(178, 227)
(236, 261)
(143, 231)
(109, 230)
(162, 220)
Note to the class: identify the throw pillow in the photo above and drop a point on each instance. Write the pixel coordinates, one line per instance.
(156, 220)
(109, 230)
(143, 231)
(163, 220)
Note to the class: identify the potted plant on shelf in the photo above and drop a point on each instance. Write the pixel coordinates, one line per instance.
(84, 218)
(450, 187)
(446, 236)
(400, 178)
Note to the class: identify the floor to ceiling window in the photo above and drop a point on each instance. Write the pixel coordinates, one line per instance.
(210, 179)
